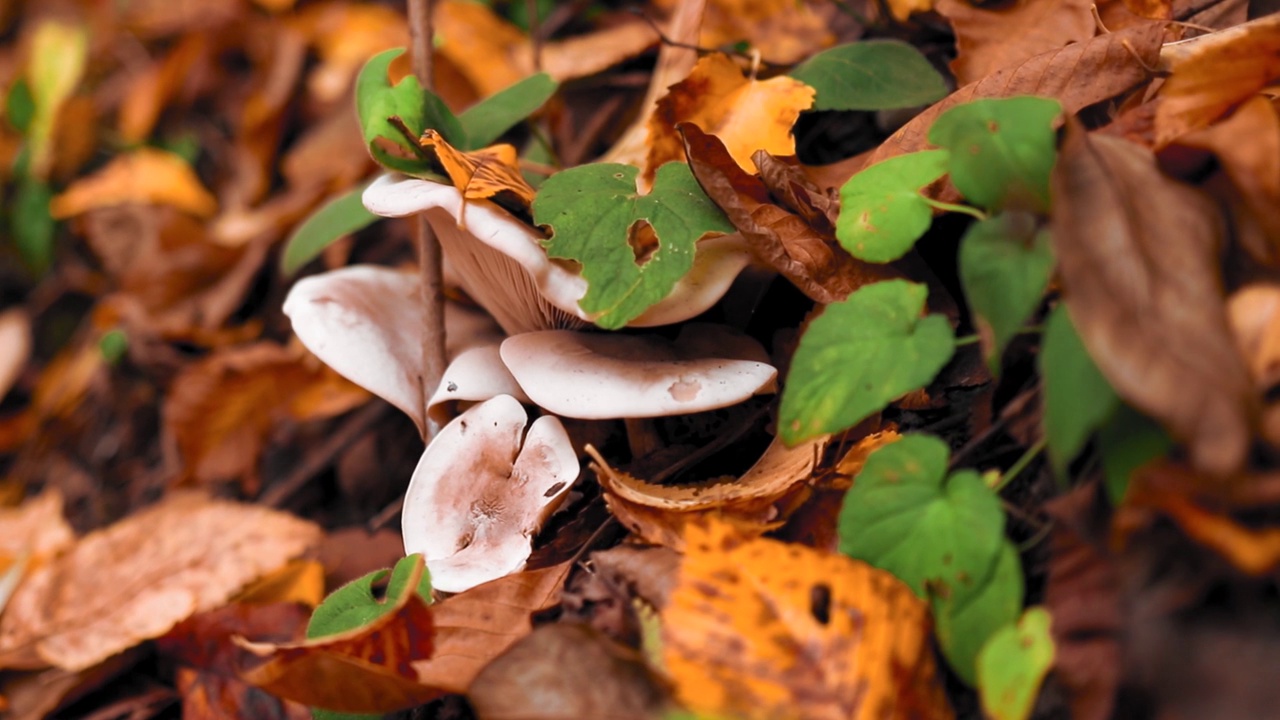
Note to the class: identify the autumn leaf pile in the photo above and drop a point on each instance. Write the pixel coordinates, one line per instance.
(806, 359)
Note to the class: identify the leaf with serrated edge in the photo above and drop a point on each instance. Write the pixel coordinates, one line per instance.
(882, 213)
(859, 355)
(591, 210)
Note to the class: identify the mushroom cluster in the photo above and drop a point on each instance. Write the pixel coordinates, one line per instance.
(489, 479)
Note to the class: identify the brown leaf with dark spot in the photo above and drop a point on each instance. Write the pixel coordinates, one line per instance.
(785, 241)
(1139, 258)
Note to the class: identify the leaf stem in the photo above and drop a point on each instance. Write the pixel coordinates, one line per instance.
(952, 207)
(1021, 464)
(967, 340)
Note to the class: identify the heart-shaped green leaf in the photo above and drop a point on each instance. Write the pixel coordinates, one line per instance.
(1012, 665)
(882, 213)
(871, 75)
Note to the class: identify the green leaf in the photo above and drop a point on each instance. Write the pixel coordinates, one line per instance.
(1005, 264)
(113, 345)
(871, 75)
(340, 216)
(1012, 665)
(882, 212)
(58, 54)
(859, 355)
(968, 619)
(32, 225)
(591, 209)
(937, 534)
(377, 100)
(355, 605)
(1002, 150)
(1127, 441)
(488, 119)
(1077, 398)
(19, 106)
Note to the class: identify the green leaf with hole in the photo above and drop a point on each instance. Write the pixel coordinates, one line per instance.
(1005, 264)
(859, 355)
(355, 604)
(488, 119)
(976, 611)
(377, 100)
(1013, 664)
(882, 212)
(1077, 398)
(1127, 441)
(337, 218)
(938, 533)
(591, 209)
(871, 75)
(1002, 150)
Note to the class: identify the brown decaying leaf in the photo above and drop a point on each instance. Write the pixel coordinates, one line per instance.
(1212, 73)
(36, 527)
(746, 114)
(134, 580)
(412, 654)
(784, 32)
(761, 629)
(144, 176)
(567, 671)
(220, 410)
(481, 173)
(158, 86)
(1144, 289)
(990, 39)
(787, 242)
(15, 346)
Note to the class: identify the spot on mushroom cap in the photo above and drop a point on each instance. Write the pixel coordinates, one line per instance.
(476, 374)
(482, 490)
(597, 376)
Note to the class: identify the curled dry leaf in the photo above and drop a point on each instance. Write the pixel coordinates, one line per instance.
(220, 410)
(15, 347)
(991, 39)
(1144, 289)
(763, 629)
(145, 176)
(788, 242)
(746, 114)
(480, 174)
(134, 580)
(1213, 73)
(482, 490)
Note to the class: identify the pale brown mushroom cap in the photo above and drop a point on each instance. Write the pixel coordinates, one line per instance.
(476, 374)
(596, 376)
(482, 490)
(366, 323)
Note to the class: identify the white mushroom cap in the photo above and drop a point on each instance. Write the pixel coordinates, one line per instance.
(509, 274)
(482, 490)
(366, 323)
(475, 374)
(597, 376)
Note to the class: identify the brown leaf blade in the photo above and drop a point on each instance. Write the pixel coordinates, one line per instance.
(1139, 260)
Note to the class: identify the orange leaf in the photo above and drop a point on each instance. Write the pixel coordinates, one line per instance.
(763, 629)
(145, 176)
(988, 40)
(746, 114)
(783, 31)
(481, 173)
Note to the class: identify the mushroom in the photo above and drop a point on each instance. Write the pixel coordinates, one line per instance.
(365, 322)
(483, 489)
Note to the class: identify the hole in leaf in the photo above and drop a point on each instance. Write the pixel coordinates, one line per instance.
(643, 241)
(820, 602)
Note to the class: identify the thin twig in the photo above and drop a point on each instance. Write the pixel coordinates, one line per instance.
(430, 262)
(535, 37)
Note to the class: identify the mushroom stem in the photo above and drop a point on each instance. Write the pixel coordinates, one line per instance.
(642, 437)
(430, 261)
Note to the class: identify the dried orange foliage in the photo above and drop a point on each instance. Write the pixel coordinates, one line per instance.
(159, 85)
(988, 40)
(759, 629)
(783, 31)
(902, 9)
(345, 35)
(36, 530)
(220, 410)
(746, 114)
(1213, 73)
(145, 176)
(481, 173)
(301, 581)
(134, 580)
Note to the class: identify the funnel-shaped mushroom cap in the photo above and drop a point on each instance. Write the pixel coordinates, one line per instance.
(366, 323)
(501, 263)
(482, 490)
(476, 374)
(597, 376)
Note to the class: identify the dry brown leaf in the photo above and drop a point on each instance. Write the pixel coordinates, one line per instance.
(156, 88)
(220, 410)
(1139, 259)
(15, 347)
(134, 580)
(345, 35)
(144, 176)
(1254, 311)
(903, 9)
(788, 243)
(746, 114)
(850, 464)
(585, 55)
(991, 39)
(760, 629)
(301, 581)
(483, 173)
(36, 527)
(1212, 73)
(783, 31)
